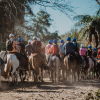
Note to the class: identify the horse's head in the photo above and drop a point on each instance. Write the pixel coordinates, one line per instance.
(3, 55)
(70, 61)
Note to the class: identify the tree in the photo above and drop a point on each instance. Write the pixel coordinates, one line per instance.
(91, 25)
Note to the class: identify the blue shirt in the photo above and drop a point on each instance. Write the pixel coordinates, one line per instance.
(69, 47)
(77, 46)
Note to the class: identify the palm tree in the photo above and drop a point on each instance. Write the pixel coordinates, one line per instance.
(90, 24)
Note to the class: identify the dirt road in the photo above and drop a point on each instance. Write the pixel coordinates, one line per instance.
(49, 90)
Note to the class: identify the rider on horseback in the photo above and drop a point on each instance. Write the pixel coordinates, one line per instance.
(36, 48)
(98, 56)
(22, 51)
(94, 53)
(12, 48)
(28, 48)
(83, 53)
(55, 48)
(69, 47)
(89, 51)
(48, 47)
(76, 50)
(62, 51)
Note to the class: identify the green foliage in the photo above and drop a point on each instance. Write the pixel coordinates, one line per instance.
(92, 96)
(2, 46)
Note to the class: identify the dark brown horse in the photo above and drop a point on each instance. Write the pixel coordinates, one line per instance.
(71, 65)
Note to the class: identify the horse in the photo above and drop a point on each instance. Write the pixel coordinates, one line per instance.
(91, 67)
(84, 67)
(98, 68)
(54, 65)
(11, 65)
(71, 66)
(78, 63)
(36, 64)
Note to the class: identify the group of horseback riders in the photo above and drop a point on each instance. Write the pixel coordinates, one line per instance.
(21, 51)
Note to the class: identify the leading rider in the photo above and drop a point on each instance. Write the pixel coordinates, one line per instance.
(12, 48)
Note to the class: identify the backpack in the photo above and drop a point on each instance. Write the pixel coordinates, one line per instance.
(49, 51)
(55, 49)
(35, 47)
(76, 47)
(9, 46)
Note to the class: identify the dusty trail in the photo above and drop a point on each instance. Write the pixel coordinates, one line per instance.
(49, 90)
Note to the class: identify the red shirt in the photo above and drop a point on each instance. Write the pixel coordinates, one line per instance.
(40, 44)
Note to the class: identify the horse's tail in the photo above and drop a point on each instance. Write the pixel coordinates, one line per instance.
(8, 66)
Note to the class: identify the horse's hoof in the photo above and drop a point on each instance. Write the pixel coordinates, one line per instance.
(24, 79)
(38, 85)
(42, 80)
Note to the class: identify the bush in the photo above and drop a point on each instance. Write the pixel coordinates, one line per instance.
(2, 46)
(96, 96)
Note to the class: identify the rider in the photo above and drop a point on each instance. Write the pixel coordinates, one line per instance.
(48, 47)
(62, 51)
(22, 50)
(98, 56)
(37, 47)
(76, 45)
(89, 51)
(94, 53)
(55, 48)
(28, 48)
(83, 53)
(12, 47)
(69, 47)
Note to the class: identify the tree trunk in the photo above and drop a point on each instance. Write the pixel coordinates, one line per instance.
(3, 35)
(97, 2)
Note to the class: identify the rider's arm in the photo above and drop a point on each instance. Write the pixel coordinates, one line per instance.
(16, 46)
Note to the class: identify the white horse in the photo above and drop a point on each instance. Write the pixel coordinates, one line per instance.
(54, 65)
(91, 65)
(12, 62)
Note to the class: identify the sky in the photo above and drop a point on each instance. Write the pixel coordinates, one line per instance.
(63, 23)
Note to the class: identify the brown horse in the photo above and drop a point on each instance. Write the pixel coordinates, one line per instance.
(36, 64)
(71, 65)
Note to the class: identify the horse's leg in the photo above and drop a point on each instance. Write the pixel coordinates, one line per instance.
(52, 72)
(42, 74)
(0, 77)
(17, 77)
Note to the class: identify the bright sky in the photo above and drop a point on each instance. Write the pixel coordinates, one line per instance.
(61, 22)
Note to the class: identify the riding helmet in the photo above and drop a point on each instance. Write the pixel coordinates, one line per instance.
(82, 45)
(55, 41)
(74, 40)
(94, 49)
(68, 39)
(61, 41)
(34, 37)
(11, 35)
(90, 46)
(50, 41)
(19, 39)
(29, 41)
